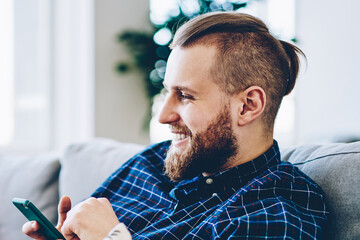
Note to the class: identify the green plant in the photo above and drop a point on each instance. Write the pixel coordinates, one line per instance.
(149, 57)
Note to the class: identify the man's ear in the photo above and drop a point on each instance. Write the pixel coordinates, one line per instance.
(252, 104)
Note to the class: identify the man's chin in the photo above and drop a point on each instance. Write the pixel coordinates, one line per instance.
(178, 163)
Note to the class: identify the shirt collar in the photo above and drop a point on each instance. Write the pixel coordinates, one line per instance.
(226, 182)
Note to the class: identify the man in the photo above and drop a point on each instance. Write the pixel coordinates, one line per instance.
(221, 176)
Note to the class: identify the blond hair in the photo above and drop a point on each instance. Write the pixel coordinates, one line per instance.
(247, 55)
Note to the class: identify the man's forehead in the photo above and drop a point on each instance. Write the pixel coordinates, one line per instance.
(188, 68)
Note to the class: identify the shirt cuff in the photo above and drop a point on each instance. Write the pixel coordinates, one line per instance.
(119, 232)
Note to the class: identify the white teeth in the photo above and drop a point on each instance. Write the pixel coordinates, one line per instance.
(179, 136)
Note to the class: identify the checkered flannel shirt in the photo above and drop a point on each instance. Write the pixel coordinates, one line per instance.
(261, 199)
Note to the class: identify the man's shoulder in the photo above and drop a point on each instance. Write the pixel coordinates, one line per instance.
(288, 173)
(282, 197)
(284, 183)
(284, 175)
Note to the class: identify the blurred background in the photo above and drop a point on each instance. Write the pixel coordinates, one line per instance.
(72, 70)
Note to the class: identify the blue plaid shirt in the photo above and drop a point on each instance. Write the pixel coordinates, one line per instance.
(261, 199)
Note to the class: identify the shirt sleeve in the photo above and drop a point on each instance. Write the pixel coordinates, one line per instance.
(119, 232)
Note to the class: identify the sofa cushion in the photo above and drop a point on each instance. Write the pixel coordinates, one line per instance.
(34, 177)
(85, 166)
(336, 168)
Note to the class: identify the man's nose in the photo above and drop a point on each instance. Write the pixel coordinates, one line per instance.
(169, 113)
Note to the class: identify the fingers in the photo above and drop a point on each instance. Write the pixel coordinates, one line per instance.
(63, 208)
(32, 230)
(90, 219)
(104, 201)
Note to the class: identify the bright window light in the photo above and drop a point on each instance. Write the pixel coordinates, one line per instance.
(161, 11)
(6, 73)
(163, 36)
(278, 10)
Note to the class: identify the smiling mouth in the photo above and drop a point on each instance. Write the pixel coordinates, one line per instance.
(180, 136)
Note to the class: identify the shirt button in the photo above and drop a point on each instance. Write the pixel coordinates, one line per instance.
(209, 181)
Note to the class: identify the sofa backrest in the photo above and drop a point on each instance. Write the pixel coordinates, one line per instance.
(336, 168)
(84, 166)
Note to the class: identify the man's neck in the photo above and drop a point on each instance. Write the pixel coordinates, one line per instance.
(247, 151)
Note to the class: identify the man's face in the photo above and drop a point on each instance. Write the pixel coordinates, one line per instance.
(199, 115)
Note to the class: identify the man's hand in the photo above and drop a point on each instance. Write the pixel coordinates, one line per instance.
(32, 228)
(92, 219)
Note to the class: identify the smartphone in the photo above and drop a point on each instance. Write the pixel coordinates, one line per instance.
(33, 214)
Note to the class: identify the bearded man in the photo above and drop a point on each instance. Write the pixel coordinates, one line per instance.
(221, 176)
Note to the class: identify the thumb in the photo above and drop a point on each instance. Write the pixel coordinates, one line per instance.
(63, 208)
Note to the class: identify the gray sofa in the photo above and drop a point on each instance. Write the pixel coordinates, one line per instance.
(82, 167)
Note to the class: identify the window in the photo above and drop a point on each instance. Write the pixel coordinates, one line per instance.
(6, 73)
(26, 70)
(46, 73)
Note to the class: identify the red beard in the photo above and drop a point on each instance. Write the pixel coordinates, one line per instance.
(209, 150)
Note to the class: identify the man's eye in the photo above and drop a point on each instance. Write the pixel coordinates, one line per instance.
(185, 96)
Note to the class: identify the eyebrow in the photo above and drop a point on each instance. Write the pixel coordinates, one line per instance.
(182, 88)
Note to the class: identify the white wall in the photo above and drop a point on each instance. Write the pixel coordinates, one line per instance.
(327, 94)
(120, 100)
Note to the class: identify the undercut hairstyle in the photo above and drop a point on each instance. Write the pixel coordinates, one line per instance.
(247, 55)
